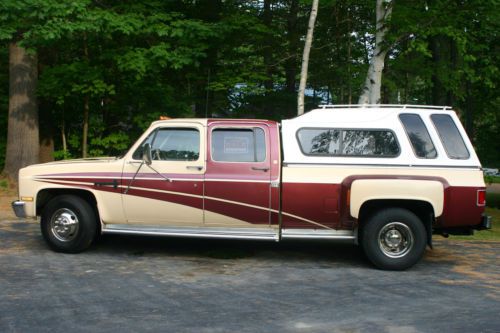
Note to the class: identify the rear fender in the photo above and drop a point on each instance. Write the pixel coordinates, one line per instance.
(364, 190)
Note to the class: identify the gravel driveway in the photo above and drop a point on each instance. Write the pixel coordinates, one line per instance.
(130, 284)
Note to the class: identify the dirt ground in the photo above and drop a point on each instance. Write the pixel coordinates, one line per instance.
(494, 188)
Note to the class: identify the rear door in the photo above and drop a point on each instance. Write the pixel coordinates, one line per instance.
(238, 176)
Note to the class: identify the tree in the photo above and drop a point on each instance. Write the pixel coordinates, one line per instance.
(22, 134)
(129, 62)
(373, 83)
(22, 147)
(305, 57)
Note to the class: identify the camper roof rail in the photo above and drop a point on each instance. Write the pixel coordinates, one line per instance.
(396, 106)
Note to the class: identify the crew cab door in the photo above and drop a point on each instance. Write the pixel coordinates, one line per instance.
(170, 191)
(238, 176)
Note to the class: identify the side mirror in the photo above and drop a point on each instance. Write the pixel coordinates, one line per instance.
(146, 154)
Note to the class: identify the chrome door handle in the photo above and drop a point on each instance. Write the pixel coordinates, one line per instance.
(191, 167)
(265, 169)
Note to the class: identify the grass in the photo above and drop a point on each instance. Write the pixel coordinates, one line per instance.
(492, 235)
(493, 200)
(4, 184)
(491, 179)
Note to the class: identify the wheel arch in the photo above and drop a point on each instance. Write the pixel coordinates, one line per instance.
(422, 209)
(44, 196)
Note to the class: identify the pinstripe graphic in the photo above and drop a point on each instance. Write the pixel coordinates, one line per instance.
(91, 185)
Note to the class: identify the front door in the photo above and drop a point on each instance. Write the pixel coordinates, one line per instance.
(237, 178)
(170, 191)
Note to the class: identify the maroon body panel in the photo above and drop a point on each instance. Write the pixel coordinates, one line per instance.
(460, 207)
(246, 184)
(315, 202)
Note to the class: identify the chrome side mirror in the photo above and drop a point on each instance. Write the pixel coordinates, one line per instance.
(146, 154)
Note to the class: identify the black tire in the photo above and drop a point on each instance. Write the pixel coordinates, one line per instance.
(394, 239)
(69, 224)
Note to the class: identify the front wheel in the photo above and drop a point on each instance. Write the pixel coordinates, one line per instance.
(394, 239)
(68, 224)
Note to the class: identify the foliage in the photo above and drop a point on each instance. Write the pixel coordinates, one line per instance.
(493, 200)
(491, 179)
(131, 62)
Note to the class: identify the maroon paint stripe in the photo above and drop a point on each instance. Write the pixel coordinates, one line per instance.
(173, 198)
(256, 194)
(212, 177)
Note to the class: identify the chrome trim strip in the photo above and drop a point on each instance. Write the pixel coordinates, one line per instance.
(200, 232)
(318, 234)
(388, 165)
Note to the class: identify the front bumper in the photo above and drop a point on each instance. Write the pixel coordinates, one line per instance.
(19, 208)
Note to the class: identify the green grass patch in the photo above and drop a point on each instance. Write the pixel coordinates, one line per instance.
(4, 184)
(491, 179)
(492, 235)
(493, 200)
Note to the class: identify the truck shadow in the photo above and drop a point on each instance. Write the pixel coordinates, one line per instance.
(222, 249)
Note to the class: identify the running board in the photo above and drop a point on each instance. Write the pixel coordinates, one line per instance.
(348, 235)
(200, 232)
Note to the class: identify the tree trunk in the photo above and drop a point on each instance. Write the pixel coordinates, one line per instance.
(305, 57)
(268, 48)
(86, 102)
(373, 82)
(439, 49)
(85, 133)
(22, 137)
(63, 137)
(46, 132)
(293, 41)
(469, 111)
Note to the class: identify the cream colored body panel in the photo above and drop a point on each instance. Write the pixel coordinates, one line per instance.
(396, 189)
(336, 174)
(144, 211)
(39, 177)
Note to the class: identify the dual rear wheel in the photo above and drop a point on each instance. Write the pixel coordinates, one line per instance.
(394, 239)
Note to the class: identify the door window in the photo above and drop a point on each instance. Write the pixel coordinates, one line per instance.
(172, 144)
(238, 145)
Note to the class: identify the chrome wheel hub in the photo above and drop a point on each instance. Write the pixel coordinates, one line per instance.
(64, 225)
(395, 239)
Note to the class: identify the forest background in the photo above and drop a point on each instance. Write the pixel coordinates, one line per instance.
(105, 69)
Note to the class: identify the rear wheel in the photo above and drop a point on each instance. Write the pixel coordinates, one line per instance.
(68, 224)
(394, 239)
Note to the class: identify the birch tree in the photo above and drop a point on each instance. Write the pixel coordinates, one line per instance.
(373, 82)
(305, 57)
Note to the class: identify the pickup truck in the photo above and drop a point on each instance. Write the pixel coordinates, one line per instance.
(386, 177)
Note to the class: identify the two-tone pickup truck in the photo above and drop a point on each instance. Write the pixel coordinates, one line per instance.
(386, 177)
